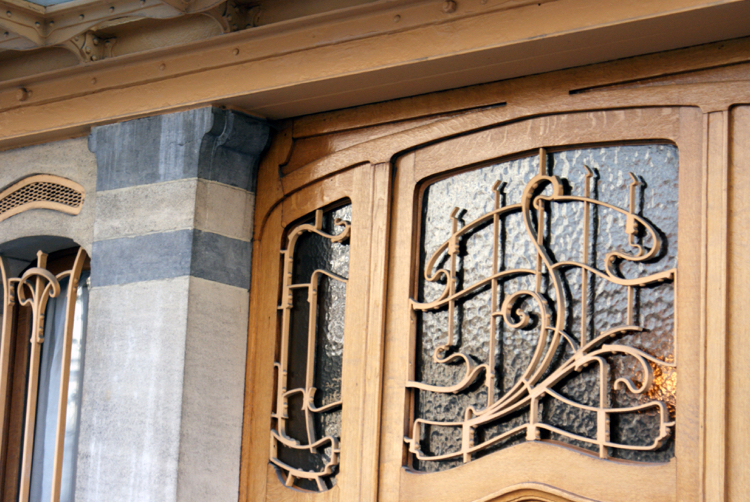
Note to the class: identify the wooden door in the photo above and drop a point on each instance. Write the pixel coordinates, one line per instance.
(537, 292)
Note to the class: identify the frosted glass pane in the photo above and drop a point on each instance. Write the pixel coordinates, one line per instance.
(494, 259)
(309, 411)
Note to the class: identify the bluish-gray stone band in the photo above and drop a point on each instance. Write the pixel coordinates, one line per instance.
(168, 255)
(206, 143)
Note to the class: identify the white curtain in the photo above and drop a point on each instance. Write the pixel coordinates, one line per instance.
(49, 390)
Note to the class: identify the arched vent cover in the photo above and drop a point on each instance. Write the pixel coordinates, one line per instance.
(41, 191)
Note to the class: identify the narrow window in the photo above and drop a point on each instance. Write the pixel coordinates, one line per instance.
(306, 428)
(43, 341)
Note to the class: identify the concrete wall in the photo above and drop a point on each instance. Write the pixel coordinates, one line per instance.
(168, 222)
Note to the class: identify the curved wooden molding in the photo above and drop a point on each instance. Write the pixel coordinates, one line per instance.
(42, 191)
(533, 492)
(503, 477)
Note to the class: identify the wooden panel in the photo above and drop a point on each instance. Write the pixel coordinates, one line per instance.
(738, 314)
(356, 56)
(688, 297)
(548, 465)
(367, 187)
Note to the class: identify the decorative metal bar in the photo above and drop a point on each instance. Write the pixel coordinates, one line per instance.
(279, 433)
(545, 369)
(34, 289)
(45, 286)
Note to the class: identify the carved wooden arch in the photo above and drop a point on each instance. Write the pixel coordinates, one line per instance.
(544, 462)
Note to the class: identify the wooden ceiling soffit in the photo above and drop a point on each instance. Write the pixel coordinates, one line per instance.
(358, 55)
(25, 25)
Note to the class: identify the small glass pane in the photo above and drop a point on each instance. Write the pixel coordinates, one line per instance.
(545, 307)
(49, 390)
(307, 419)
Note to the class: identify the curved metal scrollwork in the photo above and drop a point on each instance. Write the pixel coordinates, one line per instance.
(313, 446)
(548, 316)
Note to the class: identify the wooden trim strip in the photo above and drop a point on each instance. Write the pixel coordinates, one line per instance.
(717, 165)
(5, 344)
(38, 303)
(62, 406)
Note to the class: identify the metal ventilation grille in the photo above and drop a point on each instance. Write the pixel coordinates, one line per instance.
(41, 191)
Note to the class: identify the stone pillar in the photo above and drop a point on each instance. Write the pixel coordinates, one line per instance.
(165, 358)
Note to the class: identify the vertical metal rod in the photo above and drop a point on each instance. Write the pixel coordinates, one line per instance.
(630, 305)
(453, 251)
(602, 417)
(540, 223)
(286, 299)
(630, 229)
(62, 406)
(37, 329)
(491, 377)
(585, 256)
(312, 323)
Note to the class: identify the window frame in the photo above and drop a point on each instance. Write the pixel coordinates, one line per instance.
(57, 266)
(360, 391)
(508, 469)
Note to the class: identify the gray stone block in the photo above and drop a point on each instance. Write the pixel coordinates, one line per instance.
(221, 259)
(207, 143)
(163, 392)
(171, 254)
(224, 210)
(231, 151)
(149, 150)
(145, 209)
(142, 258)
(175, 205)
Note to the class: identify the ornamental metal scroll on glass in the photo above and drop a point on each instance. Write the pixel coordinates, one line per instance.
(547, 312)
(306, 427)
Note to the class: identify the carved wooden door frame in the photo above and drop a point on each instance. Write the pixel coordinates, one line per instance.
(380, 156)
(366, 187)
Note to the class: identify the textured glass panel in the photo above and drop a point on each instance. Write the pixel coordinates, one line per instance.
(545, 307)
(307, 420)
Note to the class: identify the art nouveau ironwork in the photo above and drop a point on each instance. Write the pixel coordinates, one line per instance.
(303, 446)
(33, 290)
(540, 302)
